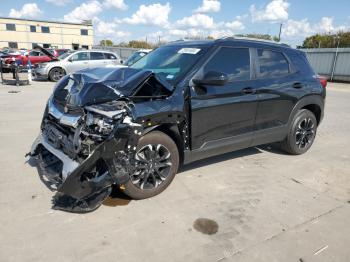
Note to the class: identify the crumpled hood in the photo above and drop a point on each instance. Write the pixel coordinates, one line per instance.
(99, 85)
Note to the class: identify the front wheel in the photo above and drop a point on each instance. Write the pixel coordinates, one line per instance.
(157, 161)
(302, 133)
(56, 74)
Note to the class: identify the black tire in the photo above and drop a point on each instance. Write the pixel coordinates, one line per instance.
(56, 74)
(302, 133)
(133, 188)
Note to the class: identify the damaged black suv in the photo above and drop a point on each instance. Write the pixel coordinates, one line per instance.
(133, 127)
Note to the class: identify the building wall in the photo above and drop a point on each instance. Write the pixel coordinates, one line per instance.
(62, 35)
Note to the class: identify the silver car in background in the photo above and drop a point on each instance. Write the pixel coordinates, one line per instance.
(73, 61)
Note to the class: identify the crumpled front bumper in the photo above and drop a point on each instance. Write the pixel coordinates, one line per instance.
(40, 73)
(69, 165)
(78, 192)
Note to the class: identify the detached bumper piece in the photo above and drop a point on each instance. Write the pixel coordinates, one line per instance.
(82, 187)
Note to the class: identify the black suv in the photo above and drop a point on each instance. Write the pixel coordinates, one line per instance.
(188, 100)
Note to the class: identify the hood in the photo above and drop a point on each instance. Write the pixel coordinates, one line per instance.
(99, 85)
(46, 52)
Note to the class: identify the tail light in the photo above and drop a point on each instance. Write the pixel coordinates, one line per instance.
(323, 80)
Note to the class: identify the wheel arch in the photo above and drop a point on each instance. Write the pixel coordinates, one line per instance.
(172, 130)
(314, 103)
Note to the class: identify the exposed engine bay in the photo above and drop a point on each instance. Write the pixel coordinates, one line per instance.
(89, 134)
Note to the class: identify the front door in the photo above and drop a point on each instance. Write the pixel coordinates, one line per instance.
(77, 62)
(224, 114)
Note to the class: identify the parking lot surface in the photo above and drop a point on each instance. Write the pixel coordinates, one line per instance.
(257, 204)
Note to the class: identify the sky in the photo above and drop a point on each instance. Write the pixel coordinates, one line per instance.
(124, 20)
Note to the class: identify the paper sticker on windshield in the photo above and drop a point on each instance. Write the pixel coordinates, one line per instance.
(169, 76)
(188, 50)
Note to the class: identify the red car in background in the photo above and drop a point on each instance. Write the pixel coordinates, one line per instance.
(34, 56)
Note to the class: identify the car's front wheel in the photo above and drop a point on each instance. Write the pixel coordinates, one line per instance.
(157, 161)
(302, 133)
(56, 74)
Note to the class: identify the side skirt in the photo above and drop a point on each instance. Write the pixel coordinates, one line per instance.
(230, 144)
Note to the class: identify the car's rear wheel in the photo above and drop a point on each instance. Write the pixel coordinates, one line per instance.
(56, 74)
(157, 161)
(302, 133)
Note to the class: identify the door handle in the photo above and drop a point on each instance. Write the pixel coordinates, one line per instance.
(248, 91)
(297, 85)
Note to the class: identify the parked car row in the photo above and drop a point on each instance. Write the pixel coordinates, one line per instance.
(31, 57)
(72, 61)
(53, 64)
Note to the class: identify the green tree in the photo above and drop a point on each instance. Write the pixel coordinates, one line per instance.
(139, 44)
(327, 40)
(106, 42)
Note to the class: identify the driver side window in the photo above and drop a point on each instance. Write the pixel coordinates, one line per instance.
(80, 56)
(235, 62)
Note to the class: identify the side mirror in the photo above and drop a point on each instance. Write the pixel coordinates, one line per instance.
(70, 60)
(212, 78)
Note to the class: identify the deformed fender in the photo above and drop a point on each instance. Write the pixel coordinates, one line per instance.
(79, 193)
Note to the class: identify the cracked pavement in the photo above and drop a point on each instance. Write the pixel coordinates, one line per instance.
(264, 205)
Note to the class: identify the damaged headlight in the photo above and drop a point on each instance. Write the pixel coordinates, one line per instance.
(99, 123)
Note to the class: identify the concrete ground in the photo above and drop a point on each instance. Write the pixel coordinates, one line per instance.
(257, 204)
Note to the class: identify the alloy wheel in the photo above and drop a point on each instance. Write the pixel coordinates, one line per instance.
(57, 74)
(153, 166)
(305, 133)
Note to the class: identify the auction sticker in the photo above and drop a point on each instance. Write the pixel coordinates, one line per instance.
(188, 50)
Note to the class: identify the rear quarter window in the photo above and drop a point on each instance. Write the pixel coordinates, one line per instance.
(110, 56)
(272, 63)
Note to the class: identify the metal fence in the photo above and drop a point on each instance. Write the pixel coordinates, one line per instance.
(330, 62)
(122, 52)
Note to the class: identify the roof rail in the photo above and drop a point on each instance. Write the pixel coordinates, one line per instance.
(251, 39)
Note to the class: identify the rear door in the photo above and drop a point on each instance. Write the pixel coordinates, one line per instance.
(97, 59)
(111, 59)
(77, 61)
(225, 113)
(277, 87)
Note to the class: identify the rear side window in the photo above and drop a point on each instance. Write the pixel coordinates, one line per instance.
(80, 56)
(235, 62)
(110, 56)
(272, 63)
(96, 56)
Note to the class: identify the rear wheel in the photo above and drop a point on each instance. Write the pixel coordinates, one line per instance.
(56, 74)
(301, 134)
(157, 161)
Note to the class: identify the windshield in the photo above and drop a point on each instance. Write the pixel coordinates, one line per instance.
(64, 55)
(171, 62)
(134, 58)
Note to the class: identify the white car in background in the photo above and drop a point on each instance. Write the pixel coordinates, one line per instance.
(73, 61)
